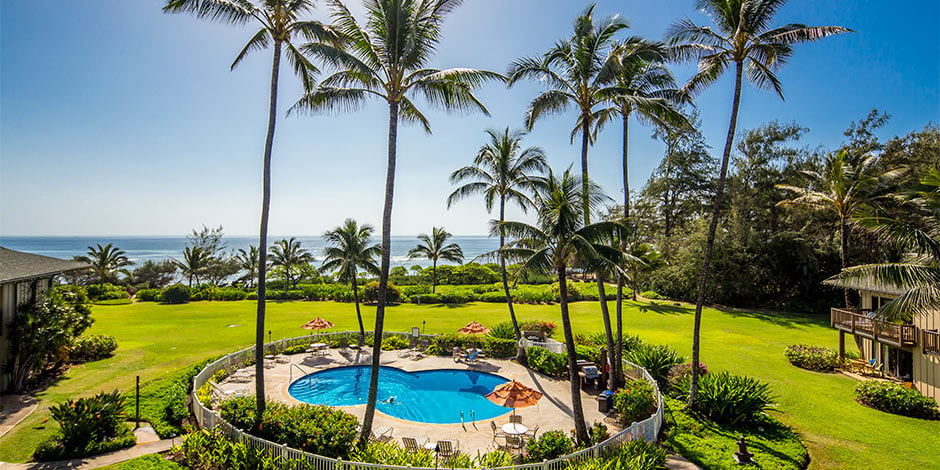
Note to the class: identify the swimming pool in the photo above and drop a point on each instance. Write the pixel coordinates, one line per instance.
(429, 396)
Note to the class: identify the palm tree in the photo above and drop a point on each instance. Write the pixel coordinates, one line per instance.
(387, 59)
(644, 257)
(194, 263)
(280, 24)
(435, 248)
(290, 257)
(744, 38)
(502, 170)
(919, 274)
(577, 70)
(352, 250)
(846, 186)
(248, 262)
(105, 261)
(558, 239)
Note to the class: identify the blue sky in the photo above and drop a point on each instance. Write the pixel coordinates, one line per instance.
(117, 119)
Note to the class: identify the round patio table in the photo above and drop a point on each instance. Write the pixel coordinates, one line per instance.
(515, 429)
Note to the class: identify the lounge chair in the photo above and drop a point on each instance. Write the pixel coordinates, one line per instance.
(472, 357)
(412, 443)
(381, 434)
(458, 353)
(448, 448)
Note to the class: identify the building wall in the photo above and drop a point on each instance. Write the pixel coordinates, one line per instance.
(12, 295)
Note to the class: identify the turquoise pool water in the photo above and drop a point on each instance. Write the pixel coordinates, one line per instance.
(430, 396)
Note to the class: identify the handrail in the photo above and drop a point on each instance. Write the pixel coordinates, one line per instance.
(291, 373)
(647, 429)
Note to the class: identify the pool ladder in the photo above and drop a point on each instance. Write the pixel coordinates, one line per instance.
(301, 369)
(473, 418)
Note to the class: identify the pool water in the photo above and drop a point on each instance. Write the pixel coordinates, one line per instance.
(429, 396)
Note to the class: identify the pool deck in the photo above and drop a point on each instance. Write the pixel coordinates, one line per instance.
(553, 411)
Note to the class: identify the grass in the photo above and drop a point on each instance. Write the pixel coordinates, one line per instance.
(156, 339)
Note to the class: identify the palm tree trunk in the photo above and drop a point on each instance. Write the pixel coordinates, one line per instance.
(580, 429)
(433, 275)
(362, 328)
(626, 165)
(605, 313)
(843, 254)
(520, 353)
(618, 358)
(585, 196)
(263, 236)
(710, 241)
(383, 273)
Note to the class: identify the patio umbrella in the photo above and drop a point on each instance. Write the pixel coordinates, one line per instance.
(317, 324)
(473, 328)
(514, 395)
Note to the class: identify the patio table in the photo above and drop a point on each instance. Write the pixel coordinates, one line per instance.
(515, 429)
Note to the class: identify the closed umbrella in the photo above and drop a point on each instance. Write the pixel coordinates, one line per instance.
(317, 324)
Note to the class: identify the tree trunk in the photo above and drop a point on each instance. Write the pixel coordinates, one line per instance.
(618, 357)
(520, 353)
(433, 275)
(626, 164)
(843, 254)
(362, 328)
(263, 236)
(585, 196)
(580, 429)
(383, 273)
(605, 314)
(710, 241)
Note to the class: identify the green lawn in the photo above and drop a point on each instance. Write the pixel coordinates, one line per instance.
(155, 339)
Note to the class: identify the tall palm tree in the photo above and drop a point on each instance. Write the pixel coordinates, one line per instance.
(194, 263)
(288, 255)
(280, 24)
(436, 248)
(919, 274)
(558, 239)
(742, 37)
(577, 71)
(388, 59)
(501, 171)
(105, 261)
(248, 262)
(352, 249)
(846, 186)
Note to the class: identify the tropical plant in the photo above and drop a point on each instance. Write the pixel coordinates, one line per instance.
(729, 398)
(352, 250)
(106, 261)
(502, 170)
(436, 248)
(559, 238)
(194, 263)
(644, 258)
(895, 398)
(248, 262)
(847, 185)
(155, 275)
(290, 258)
(280, 24)
(742, 37)
(388, 59)
(635, 401)
(918, 277)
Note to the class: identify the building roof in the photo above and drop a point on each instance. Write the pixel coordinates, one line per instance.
(19, 266)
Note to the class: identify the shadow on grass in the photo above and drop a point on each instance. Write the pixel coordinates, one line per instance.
(449, 306)
(782, 319)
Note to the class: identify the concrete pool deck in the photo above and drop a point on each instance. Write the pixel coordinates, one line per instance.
(553, 411)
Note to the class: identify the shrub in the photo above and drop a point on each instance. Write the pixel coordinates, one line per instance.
(149, 295)
(106, 292)
(503, 330)
(391, 343)
(492, 297)
(634, 455)
(547, 362)
(295, 349)
(679, 374)
(210, 449)
(88, 426)
(229, 294)
(457, 297)
(657, 360)
(163, 401)
(390, 453)
(812, 357)
(148, 462)
(443, 345)
(546, 327)
(177, 294)
(598, 432)
(370, 293)
(312, 428)
(896, 399)
(652, 295)
(588, 353)
(252, 296)
(636, 401)
(729, 398)
(549, 445)
(499, 348)
(92, 347)
(427, 299)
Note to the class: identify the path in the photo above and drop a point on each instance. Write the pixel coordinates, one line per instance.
(15, 409)
(147, 443)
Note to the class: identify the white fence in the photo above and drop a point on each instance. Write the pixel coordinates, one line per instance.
(647, 429)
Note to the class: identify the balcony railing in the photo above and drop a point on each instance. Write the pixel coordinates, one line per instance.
(869, 327)
(931, 341)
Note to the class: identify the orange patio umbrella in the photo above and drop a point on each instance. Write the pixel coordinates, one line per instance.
(473, 328)
(317, 324)
(514, 395)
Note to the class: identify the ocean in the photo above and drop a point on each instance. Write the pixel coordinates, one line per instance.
(140, 249)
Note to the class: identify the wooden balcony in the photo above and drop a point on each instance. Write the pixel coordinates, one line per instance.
(931, 341)
(854, 322)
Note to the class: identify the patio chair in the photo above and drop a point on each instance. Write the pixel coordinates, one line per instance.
(515, 419)
(381, 434)
(458, 353)
(448, 448)
(473, 356)
(496, 431)
(514, 442)
(412, 444)
(532, 432)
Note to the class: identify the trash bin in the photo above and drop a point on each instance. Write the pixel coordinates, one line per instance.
(605, 401)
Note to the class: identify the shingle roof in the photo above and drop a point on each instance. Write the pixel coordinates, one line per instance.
(17, 266)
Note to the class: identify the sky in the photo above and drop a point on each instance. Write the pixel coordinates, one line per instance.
(118, 119)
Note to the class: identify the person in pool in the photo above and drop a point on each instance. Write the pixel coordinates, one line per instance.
(390, 400)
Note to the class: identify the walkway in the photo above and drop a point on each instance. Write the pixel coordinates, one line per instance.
(15, 409)
(145, 445)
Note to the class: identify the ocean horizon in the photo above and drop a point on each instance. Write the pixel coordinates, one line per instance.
(157, 248)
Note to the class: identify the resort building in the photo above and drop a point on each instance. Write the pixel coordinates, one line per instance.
(908, 352)
(24, 277)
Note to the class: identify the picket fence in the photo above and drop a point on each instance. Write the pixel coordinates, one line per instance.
(206, 418)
